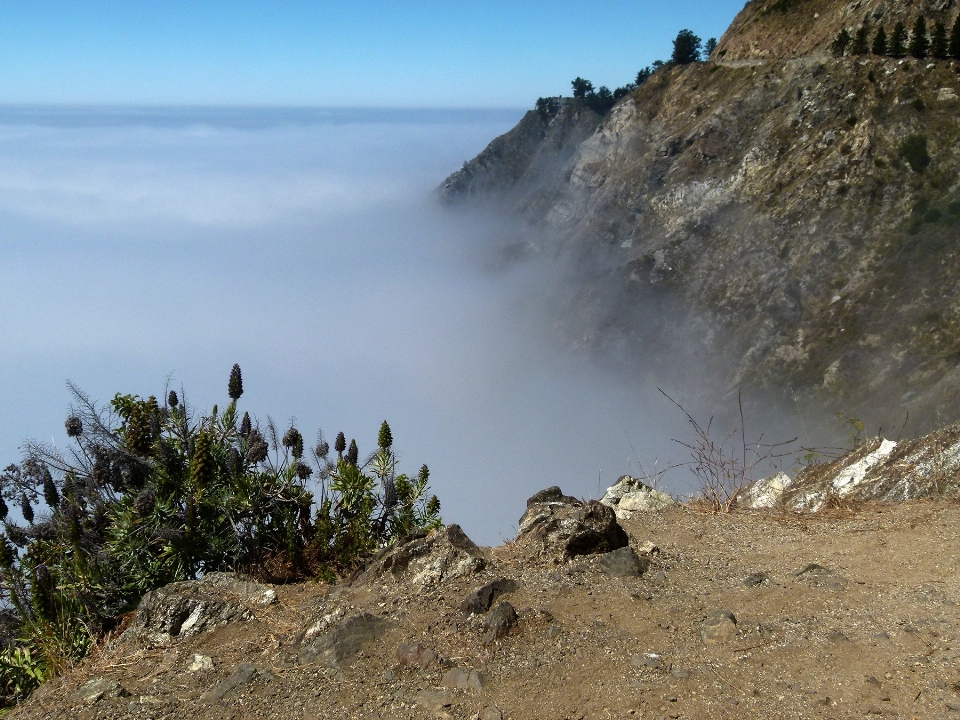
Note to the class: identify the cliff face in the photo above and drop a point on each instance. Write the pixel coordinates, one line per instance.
(776, 198)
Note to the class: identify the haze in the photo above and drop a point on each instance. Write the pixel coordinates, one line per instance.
(307, 247)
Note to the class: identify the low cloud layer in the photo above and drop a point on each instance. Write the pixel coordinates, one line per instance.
(309, 250)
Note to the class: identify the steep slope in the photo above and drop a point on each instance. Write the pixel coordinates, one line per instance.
(776, 197)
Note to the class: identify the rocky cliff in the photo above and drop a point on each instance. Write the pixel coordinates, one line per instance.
(804, 208)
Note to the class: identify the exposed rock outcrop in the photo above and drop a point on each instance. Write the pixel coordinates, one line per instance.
(428, 558)
(768, 199)
(562, 526)
(879, 469)
(183, 609)
(629, 495)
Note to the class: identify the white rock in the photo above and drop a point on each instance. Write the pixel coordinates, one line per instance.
(630, 495)
(852, 475)
(766, 493)
(200, 663)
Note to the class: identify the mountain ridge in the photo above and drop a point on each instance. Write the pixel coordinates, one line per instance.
(779, 201)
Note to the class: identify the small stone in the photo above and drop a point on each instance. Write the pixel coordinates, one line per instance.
(755, 579)
(954, 706)
(680, 674)
(388, 675)
(553, 632)
(462, 679)
(200, 663)
(94, 690)
(623, 562)
(720, 626)
(244, 673)
(499, 621)
(650, 660)
(416, 654)
(491, 712)
(434, 699)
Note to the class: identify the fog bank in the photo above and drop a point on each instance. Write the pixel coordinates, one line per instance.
(307, 247)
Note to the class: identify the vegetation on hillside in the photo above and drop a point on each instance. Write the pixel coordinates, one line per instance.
(151, 493)
(918, 43)
(687, 48)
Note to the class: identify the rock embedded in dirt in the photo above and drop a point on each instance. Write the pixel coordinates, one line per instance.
(565, 527)
(499, 621)
(756, 579)
(481, 600)
(490, 712)
(720, 626)
(428, 558)
(200, 663)
(623, 562)
(417, 655)
(435, 700)
(244, 673)
(188, 608)
(336, 647)
(94, 690)
(462, 679)
(629, 495)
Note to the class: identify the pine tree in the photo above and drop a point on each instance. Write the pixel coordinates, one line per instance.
(898, 40)
(840, 43)
(340, 444)
(938, 42)
(919, 42)
(879, 42)
(954, 49)
(861, 42)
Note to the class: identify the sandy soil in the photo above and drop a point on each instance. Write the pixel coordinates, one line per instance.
(872, 631)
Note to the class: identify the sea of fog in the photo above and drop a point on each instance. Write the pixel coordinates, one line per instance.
(147, 246)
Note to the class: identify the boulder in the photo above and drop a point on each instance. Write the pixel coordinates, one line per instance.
(336, 648)
(188, 608)
(765, 493)
(428, 558)
(624, 562)
(499, 622)
(629, 495)
(462, 679)
(559, 525)
(481, 600)
(94, 690)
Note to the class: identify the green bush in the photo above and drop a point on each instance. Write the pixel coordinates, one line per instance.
(151, 494)
(914, 151)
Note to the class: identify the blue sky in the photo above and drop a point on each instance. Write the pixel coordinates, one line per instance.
(429, 53)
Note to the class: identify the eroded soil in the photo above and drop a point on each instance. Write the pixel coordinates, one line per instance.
(872, 631)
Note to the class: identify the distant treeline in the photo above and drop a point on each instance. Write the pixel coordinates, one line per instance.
(687, 48)
(919, 44)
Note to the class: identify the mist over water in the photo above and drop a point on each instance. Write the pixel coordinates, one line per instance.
(306, 246)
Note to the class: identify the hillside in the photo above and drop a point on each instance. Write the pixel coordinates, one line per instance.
(846, 614)
(773, 193)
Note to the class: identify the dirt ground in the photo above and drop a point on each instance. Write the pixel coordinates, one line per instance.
(872, 629)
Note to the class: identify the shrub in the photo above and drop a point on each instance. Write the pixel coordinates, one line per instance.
(840, 43)
(914, 151)
(148, 495)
